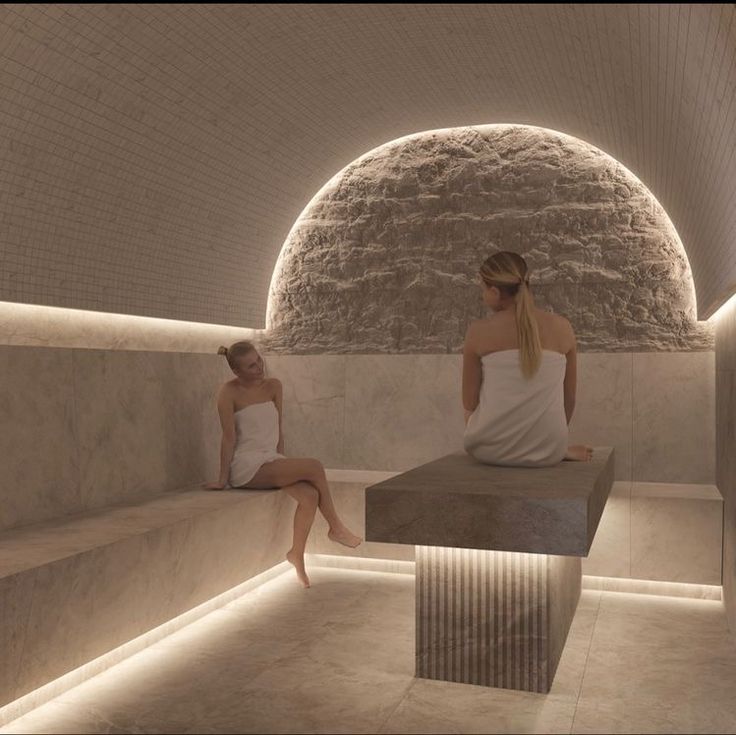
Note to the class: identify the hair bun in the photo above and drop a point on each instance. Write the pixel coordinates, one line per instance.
(222, 350)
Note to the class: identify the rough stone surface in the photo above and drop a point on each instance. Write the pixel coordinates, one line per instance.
(386, 259)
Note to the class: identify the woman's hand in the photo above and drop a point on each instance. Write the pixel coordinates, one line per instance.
(214, 486)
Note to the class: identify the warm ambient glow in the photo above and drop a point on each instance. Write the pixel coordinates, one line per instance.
(51, 326)
(360, 564)
(47, 692)
(653, 587)
(589, 582)
(191, 624)
(30, 324)
(196, 622)
(726, 309)
(334, 180)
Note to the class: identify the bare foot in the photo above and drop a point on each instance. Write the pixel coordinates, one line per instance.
(298, 561)
(344, 537)
(213, 486)
(579, 453)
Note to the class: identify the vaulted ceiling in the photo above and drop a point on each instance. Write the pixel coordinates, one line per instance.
(154, 157)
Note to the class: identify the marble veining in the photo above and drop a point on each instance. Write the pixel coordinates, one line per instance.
(610, 678)
(459, 502)
(674, 439)
(726, 448)
(115, 574)
(105, 427)
(605, 389)
(126, 425)
(493, 618)
(402, 410)
(39, 435)
(314, 405)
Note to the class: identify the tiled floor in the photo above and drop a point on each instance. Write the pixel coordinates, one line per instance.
(338, 658)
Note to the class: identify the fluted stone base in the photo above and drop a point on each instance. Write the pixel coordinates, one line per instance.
(493, 618)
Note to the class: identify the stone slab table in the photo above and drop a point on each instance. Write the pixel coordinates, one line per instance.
(498, 571)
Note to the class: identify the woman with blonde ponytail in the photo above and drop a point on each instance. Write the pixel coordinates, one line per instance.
(519, 374)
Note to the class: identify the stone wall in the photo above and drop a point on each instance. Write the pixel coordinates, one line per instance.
(84, 429)
(109, 427)
(394, 412)
(726, 449)
(386, 260)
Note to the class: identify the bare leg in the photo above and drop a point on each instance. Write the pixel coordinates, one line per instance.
(307, 498)
(338, 532)
(283, 472)
(579, 453)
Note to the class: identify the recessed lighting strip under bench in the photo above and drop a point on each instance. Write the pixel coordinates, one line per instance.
(498, 561)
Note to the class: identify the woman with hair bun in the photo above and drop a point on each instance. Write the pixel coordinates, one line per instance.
(251, 455)
(519, 374)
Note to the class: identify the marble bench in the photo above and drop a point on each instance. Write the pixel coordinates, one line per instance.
(498, 561)
(77, 587)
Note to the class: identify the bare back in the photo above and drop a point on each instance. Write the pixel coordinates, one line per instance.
(498, 332)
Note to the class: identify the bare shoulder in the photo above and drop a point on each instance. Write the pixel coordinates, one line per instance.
(564, 323)
(226, 396)
(274, 385)
(554, 320)
(558, 329)
(227, 388)
(476, 328)
(489, 324)
(565, 326)
(475, 325)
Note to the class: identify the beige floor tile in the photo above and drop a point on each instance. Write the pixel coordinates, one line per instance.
(651, 716)
(658, 665)
(339, 657)
(668, 611)
(61, 717)
(444, 707)
(589, 600)
(321, 692)
(569, 676)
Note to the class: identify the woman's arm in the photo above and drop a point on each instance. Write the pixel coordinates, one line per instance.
(472, 373)
(570, 383)
(278, 399)
(225, 408)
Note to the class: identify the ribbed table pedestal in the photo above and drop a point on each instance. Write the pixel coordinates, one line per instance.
(493, 618)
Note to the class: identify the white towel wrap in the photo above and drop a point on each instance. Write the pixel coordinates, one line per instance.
(519, 422)
(257, 435)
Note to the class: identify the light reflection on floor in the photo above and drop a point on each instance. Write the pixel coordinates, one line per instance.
(339, 658)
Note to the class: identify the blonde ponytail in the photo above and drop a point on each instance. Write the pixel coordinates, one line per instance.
(527, 329)
(507, 271)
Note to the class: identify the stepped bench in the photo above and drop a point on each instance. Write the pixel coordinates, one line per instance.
(498, 561)
(77, 587)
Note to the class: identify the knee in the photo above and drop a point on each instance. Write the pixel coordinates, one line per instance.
(316, 469)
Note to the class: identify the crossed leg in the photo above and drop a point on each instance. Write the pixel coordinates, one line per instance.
(312, 488)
